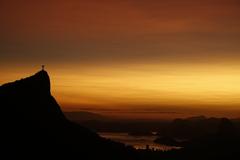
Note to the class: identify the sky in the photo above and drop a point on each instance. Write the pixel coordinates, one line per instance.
(128, 58)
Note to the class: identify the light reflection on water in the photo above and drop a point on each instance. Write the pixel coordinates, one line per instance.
(138, 142)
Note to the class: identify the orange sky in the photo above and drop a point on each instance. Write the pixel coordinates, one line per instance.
(128, 58)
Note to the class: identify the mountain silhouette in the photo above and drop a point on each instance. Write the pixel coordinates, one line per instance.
(31, 99)
(82, 116)
(221, 145)
(192, 127)
(226, 128)
(32, 123)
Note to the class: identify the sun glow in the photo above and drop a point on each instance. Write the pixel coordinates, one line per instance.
(159, 84)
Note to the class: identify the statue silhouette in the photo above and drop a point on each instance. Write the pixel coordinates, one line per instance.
(43, 67)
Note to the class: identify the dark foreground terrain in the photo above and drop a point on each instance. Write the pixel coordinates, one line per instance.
(33, 126)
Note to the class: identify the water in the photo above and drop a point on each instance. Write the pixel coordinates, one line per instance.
(138, 142)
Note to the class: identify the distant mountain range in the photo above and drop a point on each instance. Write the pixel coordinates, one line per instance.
(195, 126)
(81, 116)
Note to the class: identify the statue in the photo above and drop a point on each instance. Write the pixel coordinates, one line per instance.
(43, 67)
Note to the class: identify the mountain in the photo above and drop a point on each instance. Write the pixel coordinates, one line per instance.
(29, 100)
(227, 128)
(196, 118)
(81, 116)
(192, 127)
(224, 144)
(32, 124)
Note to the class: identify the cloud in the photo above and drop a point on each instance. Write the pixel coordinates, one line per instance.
(132, 30)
